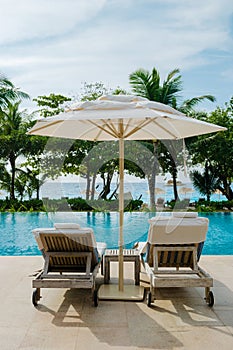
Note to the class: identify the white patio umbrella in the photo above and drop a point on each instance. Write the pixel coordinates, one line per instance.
(159, 190)
(122, 117)
(185, 190)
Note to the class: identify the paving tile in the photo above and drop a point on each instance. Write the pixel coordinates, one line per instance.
(167, 315)
(16, 313)
(101, 338)
(11, 337)
(226, 316)
(213, 338)
(108, 313)
(57, 338)
(67, 319)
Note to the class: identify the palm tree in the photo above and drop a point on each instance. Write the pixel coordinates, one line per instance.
(149, 85)
(9, 93)
(14, 141)
(207, 182)
(5, 178)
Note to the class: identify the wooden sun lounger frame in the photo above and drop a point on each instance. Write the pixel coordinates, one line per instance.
(66, 276)
(177, 274)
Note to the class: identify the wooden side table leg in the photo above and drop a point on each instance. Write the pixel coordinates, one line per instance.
(137, 270)
(106, 270)
(102, 267)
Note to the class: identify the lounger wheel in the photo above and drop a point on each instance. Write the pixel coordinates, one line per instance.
(149, 299)
(35, 297)
(210, 299)
(96, 299)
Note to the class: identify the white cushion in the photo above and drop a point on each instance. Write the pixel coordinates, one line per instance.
(74, 230)
(159, 218)
(66, 225)
(178, 230)
(183, 214)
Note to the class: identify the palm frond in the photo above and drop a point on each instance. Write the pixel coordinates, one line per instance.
(8, 92)
(188, 105)
(171, 74)
(139, 81)
(207, 182)
(171, 87)
(145, 84)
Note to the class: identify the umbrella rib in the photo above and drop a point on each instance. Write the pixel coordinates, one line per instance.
(128, 125)
(165, 129)
(102, 129)
(45, 126)
(139, 126)
(111, 126)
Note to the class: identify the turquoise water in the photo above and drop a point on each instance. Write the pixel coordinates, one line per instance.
(16, 237)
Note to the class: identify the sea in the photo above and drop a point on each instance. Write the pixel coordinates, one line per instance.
(139, 190)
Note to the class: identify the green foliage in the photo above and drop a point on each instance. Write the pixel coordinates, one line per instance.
(188, 106)
(134, 205)
(113, 205)
(17, 205)
(52, 104)
(201, 205)
(91, 91)
(74, 204)
(212, 206)
(207, 182)
(15, 143)
(91, 158)
(149, 85)
(9, 93)
(79, 204)
(217, 149)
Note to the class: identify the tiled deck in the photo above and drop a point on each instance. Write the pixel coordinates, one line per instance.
(67, 319)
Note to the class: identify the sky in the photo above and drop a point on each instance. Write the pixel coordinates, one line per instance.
(54, 46)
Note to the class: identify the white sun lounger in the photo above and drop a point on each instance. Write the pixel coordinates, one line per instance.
(71, 259)
(173, 250)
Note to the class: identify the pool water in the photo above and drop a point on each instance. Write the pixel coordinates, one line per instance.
(16, 237)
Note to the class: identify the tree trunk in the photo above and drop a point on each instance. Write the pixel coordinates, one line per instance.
(88, 185)
(93, 186)
(174, 176)
(13, 171)
(38, 192)
(151, 177)
(106, 185)
(226, 190)
(114, 192)
(151, 184)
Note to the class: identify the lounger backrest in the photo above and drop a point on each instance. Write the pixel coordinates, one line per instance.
(179, 232)
(69, 241)
(180, 257)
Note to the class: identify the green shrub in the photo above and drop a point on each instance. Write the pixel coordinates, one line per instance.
(79, 204)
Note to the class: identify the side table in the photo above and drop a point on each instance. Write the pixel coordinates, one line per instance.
(128, 255)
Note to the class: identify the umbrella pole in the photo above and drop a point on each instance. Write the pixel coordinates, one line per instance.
(114, 291)
(121, 214)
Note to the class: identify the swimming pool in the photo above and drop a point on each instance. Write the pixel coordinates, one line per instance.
(16, 237)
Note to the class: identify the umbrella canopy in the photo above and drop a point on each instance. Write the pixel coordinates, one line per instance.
(185, 190)
(159, 190)
(122, 117)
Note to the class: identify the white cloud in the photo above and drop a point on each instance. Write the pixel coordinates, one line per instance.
(167, 34)
(27, 19)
